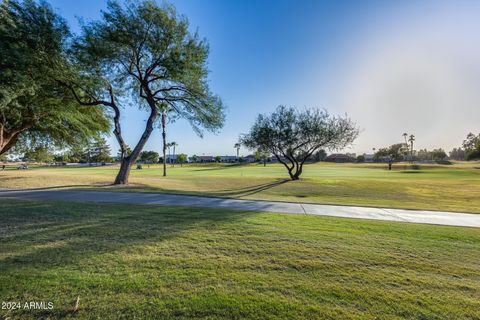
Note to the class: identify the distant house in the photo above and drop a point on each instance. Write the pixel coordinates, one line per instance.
(205, 159)
(339, 158)
(228, 159)
(368, 157)
(172, 158)
(249, 158)
(274, 159)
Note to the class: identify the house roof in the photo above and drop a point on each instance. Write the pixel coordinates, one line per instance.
(338, 156)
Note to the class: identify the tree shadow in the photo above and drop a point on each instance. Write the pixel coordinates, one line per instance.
(247, 191)
(226, 193)
(43, 236)
(223, 167)
(412, 171)
(54, 187)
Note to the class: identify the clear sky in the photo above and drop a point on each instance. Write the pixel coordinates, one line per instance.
(392, 66)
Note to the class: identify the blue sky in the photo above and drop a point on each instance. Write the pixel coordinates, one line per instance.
(393, 66)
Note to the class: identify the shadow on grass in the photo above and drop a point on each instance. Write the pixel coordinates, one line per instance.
(227, 193)
(222, 167)
(412, 171)
(56, 187)
(46, 236)
(90, 229)
(247, 191)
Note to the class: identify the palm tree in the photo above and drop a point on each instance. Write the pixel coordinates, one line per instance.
(405, 135)
(411, 139)
(405, 149)
(237, 146)
(169, 146)
(173, 144)
(164, 109)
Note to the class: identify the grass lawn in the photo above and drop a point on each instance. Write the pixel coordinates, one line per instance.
(158, 262)
(435, 187)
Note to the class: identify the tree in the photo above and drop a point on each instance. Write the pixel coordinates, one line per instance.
(237, 146)
(264, 157)
(122, 153)
(320, 155)
(77, 153)
(411, 139)
(149, 156)
(99, 150)
(292, 136)
(173, 144)
(194, 158)
(218, 159)
(435, 154)
(39, 154)
(261, 155)
(439, 154)
(145, 50)
(471, 145)
(473, 155)
(395, 152)
(457, 154)
(182, 158)
(164, 109)
(34, 108)
(360, 158)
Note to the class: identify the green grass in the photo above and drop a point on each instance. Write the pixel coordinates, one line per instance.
(146, 262)
(435, 187)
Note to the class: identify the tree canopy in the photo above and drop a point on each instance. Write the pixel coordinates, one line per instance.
(34, 107)
(397, 152)
(292, 135)
(39, 154)
(145, 52)
(471, 145)
(149, 156)
(182, 158)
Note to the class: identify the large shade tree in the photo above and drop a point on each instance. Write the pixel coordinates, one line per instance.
(293, 136)
(33, 106)
(471, 145)
(144, 52)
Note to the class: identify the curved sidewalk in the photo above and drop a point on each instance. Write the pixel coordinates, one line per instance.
(415, 216)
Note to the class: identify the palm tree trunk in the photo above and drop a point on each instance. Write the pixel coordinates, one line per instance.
(164, 137)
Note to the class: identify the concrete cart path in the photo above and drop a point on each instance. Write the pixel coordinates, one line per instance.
(415, 216)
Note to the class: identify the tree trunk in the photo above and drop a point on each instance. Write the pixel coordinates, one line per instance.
(173, 161)
(127, 162)
(7, 141)
(164, 137)
(124, 172)
(118, 133)
(8, 138)
(297, 174)
(298, 171)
